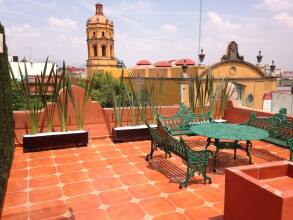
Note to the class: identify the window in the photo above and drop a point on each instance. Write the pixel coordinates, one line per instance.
(239, 91)
(249, 100)
(95, 50)
(103, 34)
(94, 34)
(104, 48)
(111, 50)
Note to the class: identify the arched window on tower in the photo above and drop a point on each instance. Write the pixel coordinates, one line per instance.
(95, 50)
(111, 50)
(94, 34)
(103, 34)
(104, 50)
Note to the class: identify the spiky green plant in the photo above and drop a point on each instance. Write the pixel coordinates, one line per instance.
(63, 99)
(117, 98)
(44, 82)
(204, 95)
(79, 108)
(30, 97)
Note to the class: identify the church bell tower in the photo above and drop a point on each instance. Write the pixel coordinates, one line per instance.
(100, 42)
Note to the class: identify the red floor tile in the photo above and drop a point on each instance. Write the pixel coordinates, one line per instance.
(202, 213)
(67, 159)
(185, 200)
(41, 162)
(15, 213)
(168, 187)
(156, 206)
(110, 154)
(15, 199)
(73, 177)
(19, 164)
(106, 183)
(45, 194)
(93, 214)
(125, 169)
(133, 179)
(100, 173)
(83, 203)
(89, 156)
(94, 164)
(127, 186)
(18, 174)
(117, 161)
(210, 194)
(75, 189)
(42, 171)
(41, 154)
(125, 211)
(171, 216)
(49, 209)
(115, 196)
(143, 191)
(43, 181)
(15, 185)
(69, 168)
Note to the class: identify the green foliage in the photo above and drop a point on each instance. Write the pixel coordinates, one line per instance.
(100, 91)
(6, 119)
(205, 93)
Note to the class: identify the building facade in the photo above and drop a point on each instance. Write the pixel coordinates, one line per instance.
(100, 42)
(250, 80)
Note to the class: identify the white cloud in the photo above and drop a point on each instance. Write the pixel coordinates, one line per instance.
(23, 31)
(59, 23)
(278, 5)
(285, 18)
(169, 28)
(217, 21)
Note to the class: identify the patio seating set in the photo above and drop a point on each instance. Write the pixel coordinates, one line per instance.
(276, 129)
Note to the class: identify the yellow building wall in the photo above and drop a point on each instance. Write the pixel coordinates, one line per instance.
(253, 81)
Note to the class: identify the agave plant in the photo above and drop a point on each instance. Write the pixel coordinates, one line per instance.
(206, 93)
(63, 99)
(29, 95)
(118, 99)
(45, 82)
(79, 107)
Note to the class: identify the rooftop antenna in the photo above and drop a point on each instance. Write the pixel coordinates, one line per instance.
(199, 29)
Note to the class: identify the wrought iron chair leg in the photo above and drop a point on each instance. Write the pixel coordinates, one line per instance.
(205, 176)
(215, 159)
(248, 146)
(208, 142)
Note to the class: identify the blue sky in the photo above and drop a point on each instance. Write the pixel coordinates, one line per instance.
(154, 30)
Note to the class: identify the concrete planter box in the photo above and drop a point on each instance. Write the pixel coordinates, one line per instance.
(55, 140)
(131, 133)
(259, 192)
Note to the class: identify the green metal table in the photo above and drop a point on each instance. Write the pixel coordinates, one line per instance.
(222, 132)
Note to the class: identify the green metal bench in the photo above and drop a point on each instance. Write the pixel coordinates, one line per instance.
(196, 160)
(280, 129)
(179, 123)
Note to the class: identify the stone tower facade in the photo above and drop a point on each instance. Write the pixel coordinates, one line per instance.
(100, 42)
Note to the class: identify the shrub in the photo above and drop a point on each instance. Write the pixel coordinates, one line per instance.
(6, 119)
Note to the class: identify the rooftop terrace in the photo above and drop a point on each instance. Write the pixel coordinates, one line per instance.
(107, 180)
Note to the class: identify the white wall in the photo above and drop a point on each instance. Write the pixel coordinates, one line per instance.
(282, 100)
(33, 69)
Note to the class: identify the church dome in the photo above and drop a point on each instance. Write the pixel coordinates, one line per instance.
(99, 17)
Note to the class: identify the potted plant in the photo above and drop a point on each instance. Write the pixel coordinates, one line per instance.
(49, 93)
(139, 99)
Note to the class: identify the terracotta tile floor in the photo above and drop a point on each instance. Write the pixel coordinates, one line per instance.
(113, 181)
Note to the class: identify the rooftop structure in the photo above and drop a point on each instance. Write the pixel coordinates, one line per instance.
(100, 42)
